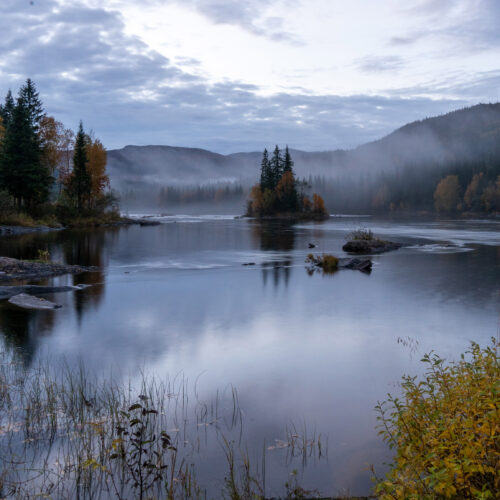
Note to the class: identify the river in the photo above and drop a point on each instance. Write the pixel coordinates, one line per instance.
(308, 354)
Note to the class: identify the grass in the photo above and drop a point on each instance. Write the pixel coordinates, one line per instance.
(25, 220)
(361, 234)
(97, 220)
(67, 434)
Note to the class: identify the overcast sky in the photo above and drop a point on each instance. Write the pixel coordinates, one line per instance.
(238, 75)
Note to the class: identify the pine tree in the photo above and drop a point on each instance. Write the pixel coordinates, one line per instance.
(287, 162)
(7, 110)
(22, 172)
(80, 184)
(266, 178)
(276, 165)
(29, 95)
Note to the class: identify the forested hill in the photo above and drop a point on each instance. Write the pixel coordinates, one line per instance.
(463, 142)
(469, 134)
(151, 165)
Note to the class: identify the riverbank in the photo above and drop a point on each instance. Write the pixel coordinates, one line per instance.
(84, 222)
(15, 270)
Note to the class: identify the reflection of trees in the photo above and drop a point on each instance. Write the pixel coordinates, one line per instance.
(88, 248)
(280, 237)
(21, 329)
(274, 235)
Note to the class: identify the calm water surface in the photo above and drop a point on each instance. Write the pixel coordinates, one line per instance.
(314, 351)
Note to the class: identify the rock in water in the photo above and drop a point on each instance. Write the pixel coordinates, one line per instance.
(312, 245)
(30, 302)
(363, 265)
(370, 246)
(6, 292)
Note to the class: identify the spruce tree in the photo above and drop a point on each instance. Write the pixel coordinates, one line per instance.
(266, 178)
(29, 95)
(7, 110)
(22, 172)
(287, 162)
(80, 182)
(276, 164)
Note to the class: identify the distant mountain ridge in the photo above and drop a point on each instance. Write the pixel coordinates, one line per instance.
(467, 134)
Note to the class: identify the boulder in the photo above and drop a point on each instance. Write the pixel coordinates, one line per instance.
(370, 246)
(30, 302)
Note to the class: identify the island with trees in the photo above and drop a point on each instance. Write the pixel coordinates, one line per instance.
(48, 174)
(279, 194)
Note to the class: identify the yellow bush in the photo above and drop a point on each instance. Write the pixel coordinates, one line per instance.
(445, 430)
(329, 263)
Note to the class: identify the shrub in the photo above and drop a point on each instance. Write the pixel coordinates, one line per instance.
(329, 263)
(361, 234)
(445, 430)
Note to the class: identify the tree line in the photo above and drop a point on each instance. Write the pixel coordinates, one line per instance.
(212, 193)
(459, 187)
(279, 192)
(46, 167)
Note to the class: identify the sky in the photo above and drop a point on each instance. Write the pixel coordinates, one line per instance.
(239, 75)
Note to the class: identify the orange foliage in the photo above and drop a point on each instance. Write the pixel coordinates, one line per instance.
(97, 159)
(318, 204)
(447, 194)
(256, 199)
(50, 134)
(285, 186)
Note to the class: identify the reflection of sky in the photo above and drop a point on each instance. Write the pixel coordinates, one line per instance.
(317, 348)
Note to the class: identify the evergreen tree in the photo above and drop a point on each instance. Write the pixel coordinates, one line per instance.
(29, 95)
(22, 172)
(80, 184)
(276, 165)
(266, 177)
(287, 162)
(7, 110)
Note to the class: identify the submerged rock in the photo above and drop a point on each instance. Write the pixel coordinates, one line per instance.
(370, 246)
(30, 302)
(9, 291)
(330, 264)
(363, 265)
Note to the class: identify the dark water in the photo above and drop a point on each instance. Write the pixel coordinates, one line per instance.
(302, 350)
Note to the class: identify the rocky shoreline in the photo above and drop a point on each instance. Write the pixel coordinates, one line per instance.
(14, 269)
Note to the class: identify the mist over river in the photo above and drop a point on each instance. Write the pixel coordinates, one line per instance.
(304, 354)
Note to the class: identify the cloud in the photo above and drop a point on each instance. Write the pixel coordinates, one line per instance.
(375, 64)
(470, 25)
(86, 66)
(252, 16)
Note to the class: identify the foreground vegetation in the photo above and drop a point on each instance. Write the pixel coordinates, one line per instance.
(48, 174)
(65, 434)
(445, 430)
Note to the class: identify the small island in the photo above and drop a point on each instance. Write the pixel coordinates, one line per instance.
(280, 195)
(363, 242)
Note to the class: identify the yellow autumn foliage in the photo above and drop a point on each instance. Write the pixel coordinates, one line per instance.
(445, 430)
